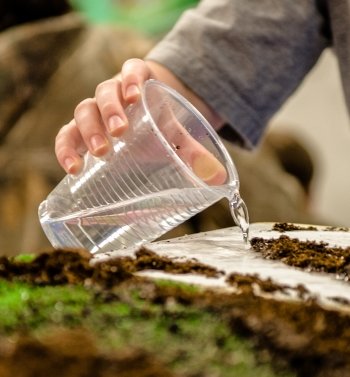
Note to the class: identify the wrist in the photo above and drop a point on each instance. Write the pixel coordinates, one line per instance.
(161, 73)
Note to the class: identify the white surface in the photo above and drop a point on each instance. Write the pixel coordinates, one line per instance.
(225, 250)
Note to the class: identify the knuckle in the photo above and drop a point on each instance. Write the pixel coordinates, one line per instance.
(132, 61)
(60, 151)
(61, 133)
(100, 88)
(84, 106)
(64, 135)
(104, 87)
(131, 66)
(108, 108)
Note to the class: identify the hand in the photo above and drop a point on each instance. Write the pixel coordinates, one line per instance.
(95, 119)
(99, 118)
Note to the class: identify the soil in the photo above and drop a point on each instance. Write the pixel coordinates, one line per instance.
(287, 227)
(255, 285)
(308, 255)
(308, 338)
(66, 266)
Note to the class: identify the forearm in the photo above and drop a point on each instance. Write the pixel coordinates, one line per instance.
(244, 58)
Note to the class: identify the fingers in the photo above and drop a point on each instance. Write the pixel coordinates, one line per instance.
(113, 96)
(110, 105)
(88, 120)
(202, 162)
(97, 119)
(208, 168)
(85, 132)
(67, 147)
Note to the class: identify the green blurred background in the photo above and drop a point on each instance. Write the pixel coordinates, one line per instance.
(153, 17)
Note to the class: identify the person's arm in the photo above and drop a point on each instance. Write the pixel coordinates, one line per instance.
(236, 61)
(245, 58)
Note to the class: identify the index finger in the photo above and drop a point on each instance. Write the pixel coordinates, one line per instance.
(69, 148)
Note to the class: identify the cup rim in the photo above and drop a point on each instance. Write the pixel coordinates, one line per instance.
(230, 167)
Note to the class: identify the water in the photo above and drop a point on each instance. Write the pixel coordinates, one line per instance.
(240, 215)
(133, 222)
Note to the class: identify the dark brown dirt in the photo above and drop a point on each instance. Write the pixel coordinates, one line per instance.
(310, 339)
(308, 255)
(147, 259)
(73, 267)
(255, 285)
(287, 227)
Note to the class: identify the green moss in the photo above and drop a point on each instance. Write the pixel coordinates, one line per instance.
(190, 288)
(29, 307)
(184, 338)
(24, 258)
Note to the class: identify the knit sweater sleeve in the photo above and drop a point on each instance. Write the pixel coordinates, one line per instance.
(244, 58)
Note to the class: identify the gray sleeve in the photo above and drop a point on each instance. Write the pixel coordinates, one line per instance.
(244, 57)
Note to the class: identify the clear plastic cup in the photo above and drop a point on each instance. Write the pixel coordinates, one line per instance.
(168, 165)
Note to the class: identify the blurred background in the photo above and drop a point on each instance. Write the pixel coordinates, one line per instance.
(317, 114)
(54, 53)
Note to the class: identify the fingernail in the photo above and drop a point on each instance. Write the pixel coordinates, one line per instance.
(69, 164)
(132, 91)
(115, 123)
(209, 169)
(98, 143)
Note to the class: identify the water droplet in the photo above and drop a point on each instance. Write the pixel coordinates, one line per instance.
(240, 215)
